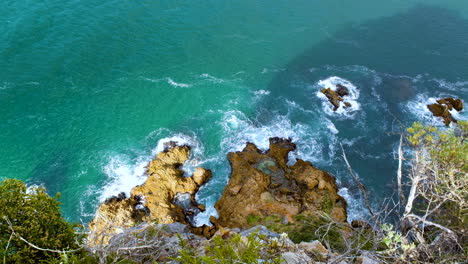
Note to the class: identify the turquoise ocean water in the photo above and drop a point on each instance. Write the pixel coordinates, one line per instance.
(89, 90)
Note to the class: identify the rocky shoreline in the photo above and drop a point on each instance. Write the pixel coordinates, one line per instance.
(264, 193)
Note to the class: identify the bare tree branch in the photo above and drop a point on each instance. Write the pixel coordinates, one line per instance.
(6, 248)
(427, 222)
(10, 225)
(399, 172)
(358, 182)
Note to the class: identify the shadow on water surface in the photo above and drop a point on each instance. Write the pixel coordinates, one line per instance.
(425, 39)
(52, 172)
(391, 61)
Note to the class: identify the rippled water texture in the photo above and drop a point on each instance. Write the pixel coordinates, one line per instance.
(90, 90)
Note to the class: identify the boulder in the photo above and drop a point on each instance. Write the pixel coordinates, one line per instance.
(262, 185)
(443, 107)
(342, 90)
(166, 197)
(260, 230)
(296, 258)
(336, 96)
(315, 248)
(333, 97)
(457, 104)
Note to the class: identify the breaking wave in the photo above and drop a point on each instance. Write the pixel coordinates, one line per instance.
(352, 98)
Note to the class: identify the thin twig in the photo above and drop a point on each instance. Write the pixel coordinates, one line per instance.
(427, 222)
(399, 172)
(358, 182)
(10, 225)
(6, 249)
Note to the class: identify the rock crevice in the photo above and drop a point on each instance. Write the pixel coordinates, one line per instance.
(263, 184)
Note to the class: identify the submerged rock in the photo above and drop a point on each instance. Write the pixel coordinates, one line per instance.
(336, 96)
(262, 185)
(443, 107)
(166, 197)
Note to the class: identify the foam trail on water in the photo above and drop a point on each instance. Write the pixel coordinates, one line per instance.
(211, 78)
(261, 92)
(169, 81)
(331, 126)
(454, 86)
(175, 84)
(352, 98)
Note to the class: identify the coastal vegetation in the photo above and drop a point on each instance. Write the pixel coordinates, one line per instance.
(425, 224)
(32, 228)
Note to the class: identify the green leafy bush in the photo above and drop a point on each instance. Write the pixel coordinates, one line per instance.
(441, 157)
(36, 217)
(235, 249)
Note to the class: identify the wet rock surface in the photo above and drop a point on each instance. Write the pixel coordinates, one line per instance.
(335, 97)
(166, 197)
(263, 184)
(443, 107)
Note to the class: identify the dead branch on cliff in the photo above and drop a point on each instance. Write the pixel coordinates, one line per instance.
(356, 180)
(139, 244)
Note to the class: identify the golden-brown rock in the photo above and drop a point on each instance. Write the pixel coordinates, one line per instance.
(166, 197)
(262, 184)
(442, 108)
(335, 97)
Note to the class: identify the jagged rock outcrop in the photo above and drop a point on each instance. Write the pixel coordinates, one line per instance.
(263, 185)
(442, 108)
(166, 197)
(335, 97)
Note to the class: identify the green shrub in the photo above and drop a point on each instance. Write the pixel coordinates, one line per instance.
(235, 249)
(306, 227)
(36, 217)
(441, 157)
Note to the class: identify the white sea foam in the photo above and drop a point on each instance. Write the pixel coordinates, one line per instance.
(169, 81)
(181, 140)
(261, 92)
(196, 150)
(418, 107)
(175, 84)
(125, 173)
(203, 218)
(211, 78)
(352, 98)
(355, 207)
(238, 73)
(238, 130)
(331, 126)
(454, 86)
